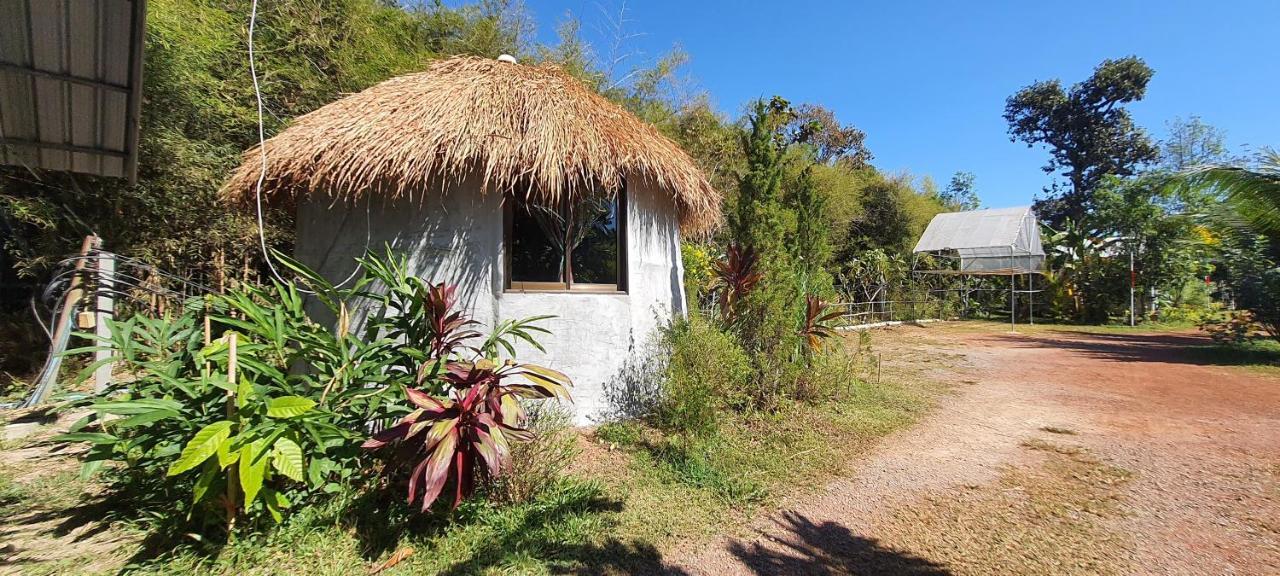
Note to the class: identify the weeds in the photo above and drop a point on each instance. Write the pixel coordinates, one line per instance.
(1058, 430)
(1048, 519)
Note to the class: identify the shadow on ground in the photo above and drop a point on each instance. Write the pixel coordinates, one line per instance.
(829, 548)
(1164, 348)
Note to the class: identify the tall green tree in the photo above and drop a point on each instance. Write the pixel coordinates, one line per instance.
(960, 194)
(810, 244)
(1190, 143)
(1087, 129)
(1253, 191)
(817, 126)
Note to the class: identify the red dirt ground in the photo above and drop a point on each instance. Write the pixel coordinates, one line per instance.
(1202, 442)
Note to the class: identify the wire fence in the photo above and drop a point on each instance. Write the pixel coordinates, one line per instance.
(87, 289)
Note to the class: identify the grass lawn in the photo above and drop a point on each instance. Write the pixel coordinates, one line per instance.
(1260, 354)
(631, 495)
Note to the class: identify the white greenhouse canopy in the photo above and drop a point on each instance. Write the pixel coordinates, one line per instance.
(999, 242)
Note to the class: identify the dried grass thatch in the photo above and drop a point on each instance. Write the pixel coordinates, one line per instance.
(513, 124)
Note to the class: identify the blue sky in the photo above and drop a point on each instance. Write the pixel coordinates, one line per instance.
(927, 81)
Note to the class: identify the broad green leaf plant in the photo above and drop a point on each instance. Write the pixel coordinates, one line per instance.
(219, 434)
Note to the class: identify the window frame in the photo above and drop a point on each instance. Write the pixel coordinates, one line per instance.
(519, 286)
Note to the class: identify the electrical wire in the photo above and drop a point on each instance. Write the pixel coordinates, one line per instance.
(262, 172)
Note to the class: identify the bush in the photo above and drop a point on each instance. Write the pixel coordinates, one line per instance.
(708, 371)
(1192, 304)
(287, 429)
(831, 372)
(1260, 294)
(541, 462)
(1237, 328)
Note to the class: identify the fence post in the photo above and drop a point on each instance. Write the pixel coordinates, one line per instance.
(104, 309)
(62, 330)
(233, 479)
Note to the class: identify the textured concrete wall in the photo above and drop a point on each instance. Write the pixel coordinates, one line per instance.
(457, 238)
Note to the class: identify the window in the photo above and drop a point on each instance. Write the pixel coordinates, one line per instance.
(579, 244)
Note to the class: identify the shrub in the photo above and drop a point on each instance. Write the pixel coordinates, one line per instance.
(182, 428)
(539, 463)
(830, 373)
(708, 371)
(1260, 294)
(1237, 328)
(287, 428)
(697, 265)
(467, 434)
(467, 408)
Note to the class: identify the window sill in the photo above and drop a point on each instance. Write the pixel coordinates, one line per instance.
(565, 291)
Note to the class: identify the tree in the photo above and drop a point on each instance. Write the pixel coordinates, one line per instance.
(810, 243)
(1087, 129)
(759, 223)
(1253, 191)
(817, 126)
(959, 194)
(885, 221)
(1145, 212)
(1192, 143)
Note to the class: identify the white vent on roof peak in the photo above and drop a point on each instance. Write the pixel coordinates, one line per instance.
(507, 58)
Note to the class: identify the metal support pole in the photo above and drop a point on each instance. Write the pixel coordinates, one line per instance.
(1013, 315)
(1031, 289)
(1013, 297)
(1132, 280)
(1031, 304)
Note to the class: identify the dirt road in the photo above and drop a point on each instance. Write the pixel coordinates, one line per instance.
(1058, 452)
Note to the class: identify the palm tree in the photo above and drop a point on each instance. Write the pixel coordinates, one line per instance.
(1254, 192)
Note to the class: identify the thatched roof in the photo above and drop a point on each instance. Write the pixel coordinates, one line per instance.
(512, 124)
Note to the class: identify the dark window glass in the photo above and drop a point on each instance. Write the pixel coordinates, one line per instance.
(589, 228)
(534, 257)
(595, 258)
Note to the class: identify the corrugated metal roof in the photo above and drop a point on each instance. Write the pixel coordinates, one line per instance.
(71, 84)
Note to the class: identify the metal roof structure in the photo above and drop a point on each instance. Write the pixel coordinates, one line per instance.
(999, 242)
(71, 85)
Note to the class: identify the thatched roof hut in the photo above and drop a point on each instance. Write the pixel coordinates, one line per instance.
(518, 126)
(528, 191)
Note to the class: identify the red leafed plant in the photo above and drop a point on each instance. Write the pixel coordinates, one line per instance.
(447, 328)
(736, 275)
(466, 433)
(816, 316)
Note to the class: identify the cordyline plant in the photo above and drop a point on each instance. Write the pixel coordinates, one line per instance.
(467, 433)
(735, 276)
(817, 315)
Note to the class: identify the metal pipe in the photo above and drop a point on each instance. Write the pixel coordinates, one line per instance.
(1132, 280)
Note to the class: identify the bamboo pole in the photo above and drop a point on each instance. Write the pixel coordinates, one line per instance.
(233, 478)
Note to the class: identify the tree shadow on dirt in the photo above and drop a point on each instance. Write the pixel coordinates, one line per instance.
(528, 537)
(829, 548)
(1163, 348)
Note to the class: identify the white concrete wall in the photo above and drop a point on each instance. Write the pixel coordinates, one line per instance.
(457, 238)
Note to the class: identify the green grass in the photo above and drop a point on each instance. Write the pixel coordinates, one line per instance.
(1259, 355)
(559, 529)
(634, 494)
(755, 459)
